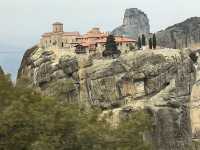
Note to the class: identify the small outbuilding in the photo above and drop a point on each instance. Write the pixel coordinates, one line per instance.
(80, 49)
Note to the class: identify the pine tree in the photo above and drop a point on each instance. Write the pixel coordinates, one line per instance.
(175, 44)
(111, 44)
(139, 43)
(154, 41)
(143, 40)
(111, 47)
(150, 43)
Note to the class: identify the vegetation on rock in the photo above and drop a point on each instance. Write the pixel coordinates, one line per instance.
(131, 47)
(1, 70)
(194, 57)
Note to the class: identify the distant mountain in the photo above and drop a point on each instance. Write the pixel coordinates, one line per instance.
(181, 35)
(135, 23)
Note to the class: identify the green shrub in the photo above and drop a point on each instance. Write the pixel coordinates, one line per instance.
(193, 57)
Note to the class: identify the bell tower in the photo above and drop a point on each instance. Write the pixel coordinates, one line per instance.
(57, 27)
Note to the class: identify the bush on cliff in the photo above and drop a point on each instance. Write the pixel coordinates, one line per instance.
(194, 57)
(29, 121)
(1, 71)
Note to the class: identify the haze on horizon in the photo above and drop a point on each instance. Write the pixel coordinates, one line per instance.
(23, 22)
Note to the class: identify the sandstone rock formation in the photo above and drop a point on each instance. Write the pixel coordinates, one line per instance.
(135, 23)
(158, 81)
(182, 35)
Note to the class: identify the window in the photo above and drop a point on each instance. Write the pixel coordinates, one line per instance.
(62, 44)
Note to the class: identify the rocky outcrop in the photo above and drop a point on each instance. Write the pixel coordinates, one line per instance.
(26, 60)
(135, 23)
(51, 76)
(181, 35)
(158, 81)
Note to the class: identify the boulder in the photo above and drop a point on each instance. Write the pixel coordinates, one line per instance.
(69, 65)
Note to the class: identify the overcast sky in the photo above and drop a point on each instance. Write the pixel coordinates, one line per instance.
(23, 21)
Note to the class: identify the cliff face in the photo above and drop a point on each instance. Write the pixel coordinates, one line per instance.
(181, 35)
(195, 103)
(158, 81)
(135, 23)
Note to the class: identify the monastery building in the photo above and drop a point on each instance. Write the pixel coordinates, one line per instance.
(91, 42)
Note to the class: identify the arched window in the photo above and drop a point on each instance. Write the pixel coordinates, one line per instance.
(62, 44)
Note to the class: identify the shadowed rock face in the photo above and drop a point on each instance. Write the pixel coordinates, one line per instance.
(159, 81)
(181, 35)
(135, 23)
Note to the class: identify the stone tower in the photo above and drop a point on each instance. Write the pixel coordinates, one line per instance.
(57, 27)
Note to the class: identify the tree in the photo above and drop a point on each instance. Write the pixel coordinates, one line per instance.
(154, 41)
(175, 44)
(139, 43)
(1, 71)
(143, 40)
(111, 47)
(111, 44)
(150, 43)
